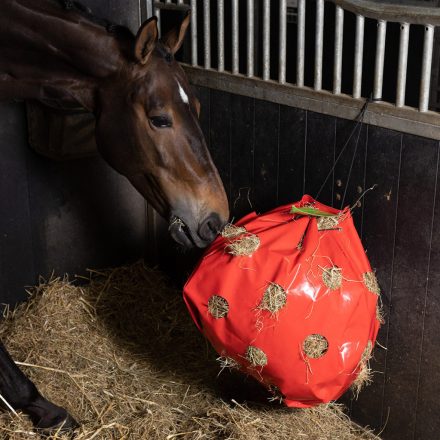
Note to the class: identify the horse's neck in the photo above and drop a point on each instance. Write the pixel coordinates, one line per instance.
(41, 44)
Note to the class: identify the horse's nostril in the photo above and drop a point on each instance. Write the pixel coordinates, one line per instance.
(210, 227)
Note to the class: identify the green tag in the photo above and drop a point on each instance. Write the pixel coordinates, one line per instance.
(308, 210)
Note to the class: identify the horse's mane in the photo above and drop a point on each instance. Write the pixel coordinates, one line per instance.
(110, 27)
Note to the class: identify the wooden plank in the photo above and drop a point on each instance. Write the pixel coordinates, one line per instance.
(291, 154)
(427, 420)
(203, 95)
(412, 246)
(219, 135)
(266, 155)
(349, 177)
(16, 259)
(320, 148)
(382, 169)
(242, 155)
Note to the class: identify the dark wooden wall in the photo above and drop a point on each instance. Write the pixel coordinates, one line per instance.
(277, 153)
(63, 217)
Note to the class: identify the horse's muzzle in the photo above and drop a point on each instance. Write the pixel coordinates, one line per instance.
(200, 236)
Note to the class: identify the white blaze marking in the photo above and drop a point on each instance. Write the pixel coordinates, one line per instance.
(182, 94)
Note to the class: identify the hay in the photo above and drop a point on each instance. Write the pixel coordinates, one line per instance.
(256, 356)
(123, 356)
(218, 307)
(371, 283)
(274, 298)
(328, 223)
(246, 245)
(380, 314)
(365, 375)
(315, 346)
(228, 362)
(300, 244)
(332, 277)
(232, 231)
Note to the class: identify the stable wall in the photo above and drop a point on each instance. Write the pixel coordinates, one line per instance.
(278, 153)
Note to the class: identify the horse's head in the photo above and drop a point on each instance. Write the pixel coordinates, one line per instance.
(148, 130)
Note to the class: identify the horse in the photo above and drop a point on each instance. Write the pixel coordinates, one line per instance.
(147, 129)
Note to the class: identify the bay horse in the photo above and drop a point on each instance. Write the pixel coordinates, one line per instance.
(147, 128)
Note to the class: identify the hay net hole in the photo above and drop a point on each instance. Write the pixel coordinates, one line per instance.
(328, 222)
(315, 346)
(244, 245)
(218, 306)
(274, 298)
(231, 231)
(256, 356)
(370, 282)
(364, 376)
(332, 277)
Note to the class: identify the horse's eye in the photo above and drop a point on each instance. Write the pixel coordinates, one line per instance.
(160, 121)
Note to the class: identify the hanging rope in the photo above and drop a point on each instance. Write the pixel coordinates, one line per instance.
(360, 120)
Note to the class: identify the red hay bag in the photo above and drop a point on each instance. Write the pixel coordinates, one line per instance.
(297, 309)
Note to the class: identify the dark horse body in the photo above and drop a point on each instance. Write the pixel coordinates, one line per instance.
(146, 126)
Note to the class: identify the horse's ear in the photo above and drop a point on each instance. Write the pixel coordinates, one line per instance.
(146, 39)
(174, 38)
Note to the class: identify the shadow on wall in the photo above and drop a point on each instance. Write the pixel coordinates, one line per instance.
(60, 217)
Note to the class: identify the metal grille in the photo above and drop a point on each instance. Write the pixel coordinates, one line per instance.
(258, 55)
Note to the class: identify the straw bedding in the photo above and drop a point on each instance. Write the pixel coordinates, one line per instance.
(122, 355)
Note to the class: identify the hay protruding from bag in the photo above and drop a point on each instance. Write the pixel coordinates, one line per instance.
(256, 356)
(315, 346)
(332, 277)
(371, 283)
(231, 231)
(229, 363)
(274, 298)
(380, 314)
(245, 245)
(365, 374)
(218, 306)
(277, 395)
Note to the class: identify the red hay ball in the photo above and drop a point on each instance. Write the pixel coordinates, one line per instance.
(298, 311)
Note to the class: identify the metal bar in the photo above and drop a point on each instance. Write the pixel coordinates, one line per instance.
(402, 65)
(282, 43)
(250, 38)
(207, 33)
(300, 45)
(339, 39)
(149, 8)
(380, 57)
(179, 2)
(220, 35)
(157, 14)
(266, 39)
(235, 48)
(319, 43)
(358, 56)
(428, 45)
(194, 45)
